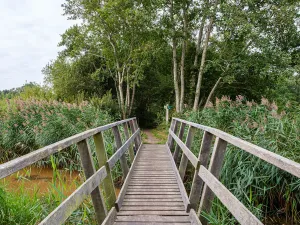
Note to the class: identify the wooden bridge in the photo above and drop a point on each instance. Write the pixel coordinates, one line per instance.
(153, 191)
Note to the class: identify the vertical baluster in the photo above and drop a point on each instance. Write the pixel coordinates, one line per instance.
(131, 152)
(136, 142)
(203, 158)
(136, 127)
(89, 170)
(108, 184)
(180, 136)
(184, 159)
(175, 132)
(172, 129)
(123, 159)
(215, 167)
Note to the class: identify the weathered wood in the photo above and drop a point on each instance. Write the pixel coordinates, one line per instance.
(169, 136)
(179, 182)
(136, 142)
(175, 130)
(177, 148)
(136, 126)
(238, 210)
(270, 157)
(120, 199)
(185, 149)
(215, 167)
(131, 152)
(123, 160)
(171, 213)
(187, 154)
(111, 217)
(119, 154)
(153, 218)
(194, 219)
(89, 170)
(203, 159)
(65, 209)
(21, 162)
(108, 184)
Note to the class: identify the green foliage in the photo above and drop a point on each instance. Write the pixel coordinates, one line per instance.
(31, 124)
(263, 188)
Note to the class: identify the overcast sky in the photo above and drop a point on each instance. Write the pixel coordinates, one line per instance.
(30, 32)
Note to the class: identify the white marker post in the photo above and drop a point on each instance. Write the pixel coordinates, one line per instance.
(167, 113)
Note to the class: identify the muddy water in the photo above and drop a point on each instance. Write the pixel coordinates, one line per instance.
(32, 180)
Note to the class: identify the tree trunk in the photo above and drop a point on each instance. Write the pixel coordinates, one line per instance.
(212, 91)
(201, 69)
(200, 34)
(184, 47)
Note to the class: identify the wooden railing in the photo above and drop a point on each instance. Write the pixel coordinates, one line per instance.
(205, 181)
(93, 178)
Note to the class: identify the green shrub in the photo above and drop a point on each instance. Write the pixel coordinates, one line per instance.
(263, 188)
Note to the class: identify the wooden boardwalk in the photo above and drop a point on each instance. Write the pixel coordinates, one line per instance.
(153, 194)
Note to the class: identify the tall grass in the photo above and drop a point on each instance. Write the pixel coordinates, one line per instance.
(266, 190)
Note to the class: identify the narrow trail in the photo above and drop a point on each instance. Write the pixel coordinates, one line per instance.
(150, 138)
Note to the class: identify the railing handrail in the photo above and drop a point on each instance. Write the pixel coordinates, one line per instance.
(19, 163)
(93, 177)
(205, 182)
(277, 160)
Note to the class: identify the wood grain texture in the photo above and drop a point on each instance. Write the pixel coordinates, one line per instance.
(127, 135)
(238, 210)
(65, 209)
(180, 136)
(268, 156)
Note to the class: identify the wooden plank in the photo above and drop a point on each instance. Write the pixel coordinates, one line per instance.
(150, 223)
(175, 130)
(177, 148)
(120, 152)
(153, 200)
(136, 126)
(270, 157)
(123, 160)
(21, 162)
(203, 159)
(179, 182)
(194, 218)
(187, 155)
(156, 203)
(108, 184)
(89, 170)
(153, 218)
(152, 208)
(111, 217)
(215, 167)
(162, 213)
(122, 193)
(136, 142)
(153, 196)
(187, 152)
(172, 126)
(126, 131)
(66, 208)
(238, 210)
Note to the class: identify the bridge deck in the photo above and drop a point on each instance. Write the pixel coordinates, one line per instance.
(153, 195)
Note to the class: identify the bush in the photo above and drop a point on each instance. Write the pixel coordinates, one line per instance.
(263, 188)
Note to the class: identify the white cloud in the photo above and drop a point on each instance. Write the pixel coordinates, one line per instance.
(29, 33)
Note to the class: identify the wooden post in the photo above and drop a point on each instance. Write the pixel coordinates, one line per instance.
(215, 167)
(203, 158)
(175, 129)
(108, 184)
(167, 114)
(136, 142)
(170, 137)
(177, 148)
(89, 170)
(184, 159)
(136, 126)
(123, 159)
(131, 152)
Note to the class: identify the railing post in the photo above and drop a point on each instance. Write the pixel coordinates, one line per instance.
(215, 167)
(108, 184)
(175, 132)
(131, 152)
(172, 129)
(89, 170)
(177, 148)
(136, 126)
(203, 158)
(184, 159)
(136, 142)
(123, 159)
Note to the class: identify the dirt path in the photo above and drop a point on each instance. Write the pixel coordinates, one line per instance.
(150, 138)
